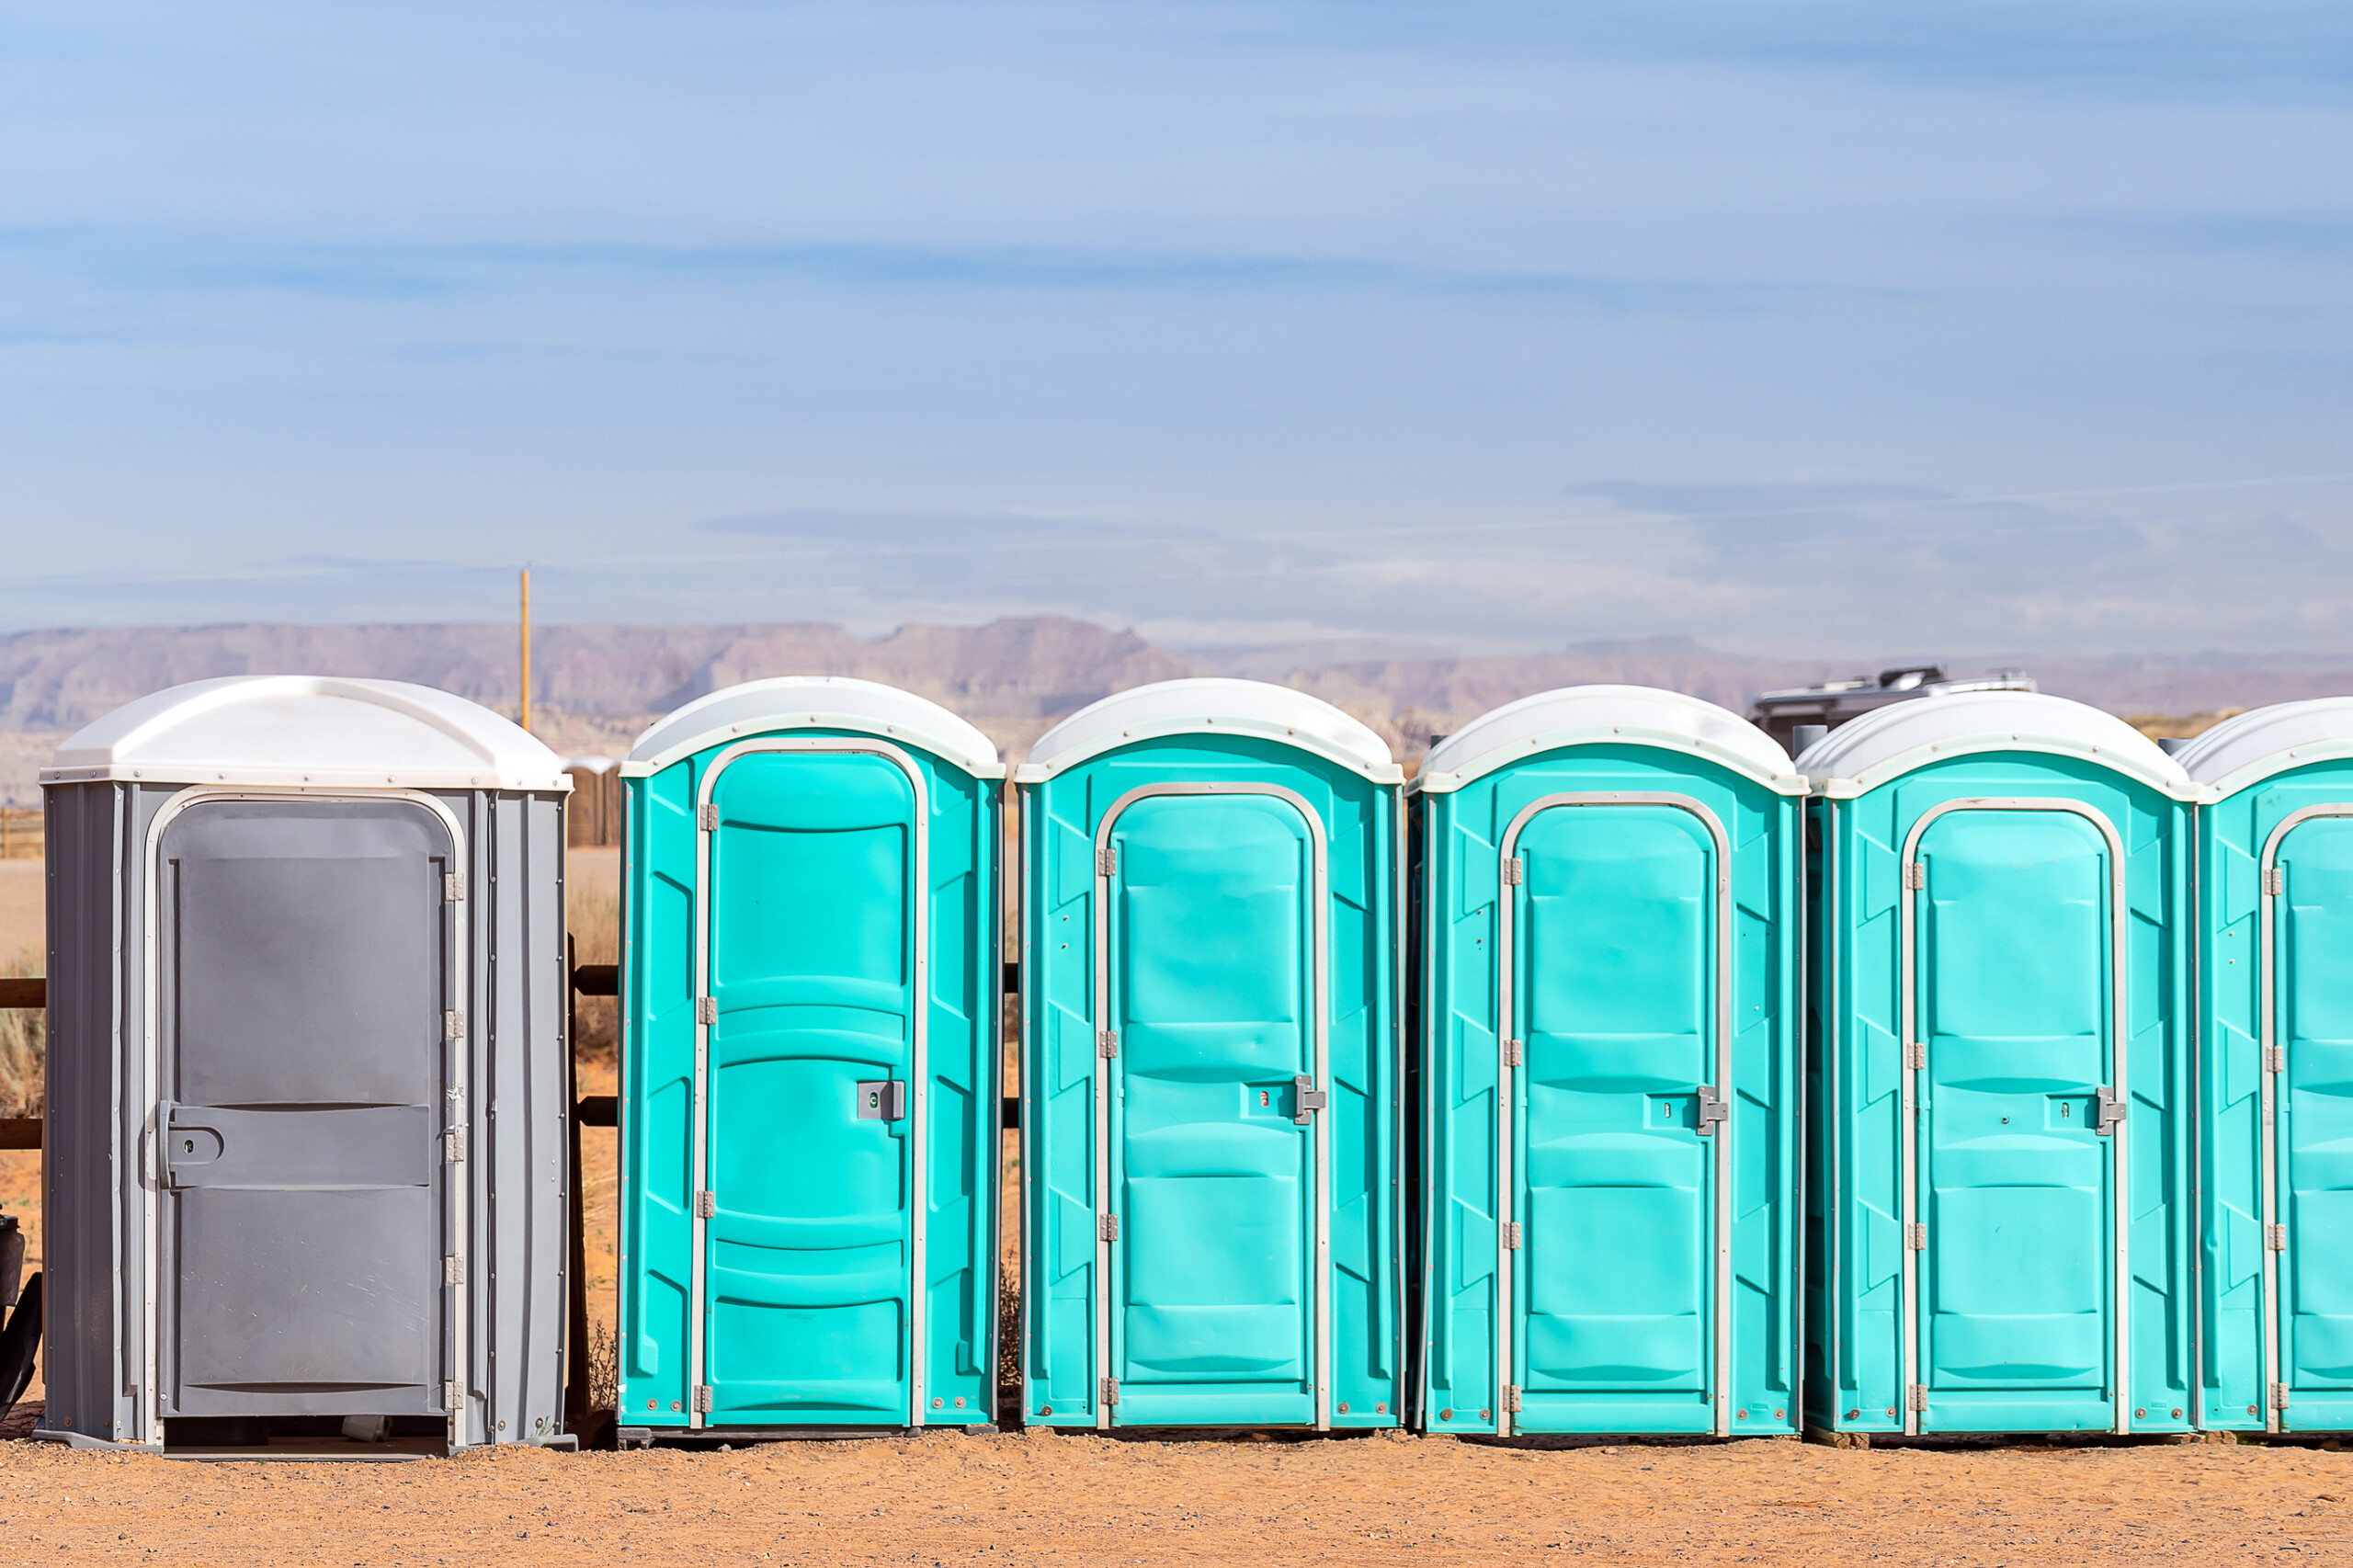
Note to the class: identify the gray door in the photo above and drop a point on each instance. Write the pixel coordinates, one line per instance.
(304, 950)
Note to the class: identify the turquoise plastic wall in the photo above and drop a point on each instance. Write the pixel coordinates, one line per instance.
(2312, 1013)
(1215, 1300)
(1615, 1305)
(2016, 1262)
(811, 864)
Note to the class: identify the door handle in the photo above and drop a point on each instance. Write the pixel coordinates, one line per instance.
(1306, 1099)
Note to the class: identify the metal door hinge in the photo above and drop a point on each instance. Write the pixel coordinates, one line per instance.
(453, 1025)
(1916, 874)
(1110, 1391)
(1919, 1398)
(453, 1271)
(1106, 860)
(1107, 1043)
(2279, 1396)
(2275, 1059)
(705, 1205)
(453, 887)
(2275, 1237)
(706, 816)
(2111, 1109)
(1713, 1108)
(706, 1009)
(1915, 1053)
(2275, 880)
(1514, 871)
(453, 1146)
(1511, 1235)
(1514, 1053)
(1511, 1398)
(1915, 1235)
(1306, 1099)
(1106, 1228)
(453, 1396)
(702, 1399)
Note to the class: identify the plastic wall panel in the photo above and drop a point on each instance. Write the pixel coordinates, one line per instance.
(2315, 978)
(958, 1271)
(1461, 833)
(1855, 1379)
(1363, 1285)
(517, 1119)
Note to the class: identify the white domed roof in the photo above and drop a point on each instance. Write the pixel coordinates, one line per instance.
(323, 730)
(1207, 705)
(1587, 715)
(811, 702)
(1866, 752)
(2264, 740)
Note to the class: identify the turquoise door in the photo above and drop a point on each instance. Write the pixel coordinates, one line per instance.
(2312, 1139)
(1209, 970)
(2016, 1284)
(812, 1090)
(1614, 1136)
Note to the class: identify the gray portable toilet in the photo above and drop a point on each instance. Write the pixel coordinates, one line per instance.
(307, 1137)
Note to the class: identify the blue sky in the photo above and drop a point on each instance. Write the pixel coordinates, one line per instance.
(1809, 328)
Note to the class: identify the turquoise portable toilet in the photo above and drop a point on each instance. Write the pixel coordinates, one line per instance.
(1610, 900)
(809, 1102)
(2000, 1072)
(1211, 1067)
(2275, 886)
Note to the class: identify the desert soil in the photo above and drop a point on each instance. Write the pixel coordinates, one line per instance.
(1012, 1499)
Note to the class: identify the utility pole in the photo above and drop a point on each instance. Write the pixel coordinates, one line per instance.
(527, 649)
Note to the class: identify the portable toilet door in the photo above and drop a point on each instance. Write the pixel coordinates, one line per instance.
(1609, 907)
(811, 996)
(2001, 1072)
(307, 1121)
(2275, 882)
(1210, 1072)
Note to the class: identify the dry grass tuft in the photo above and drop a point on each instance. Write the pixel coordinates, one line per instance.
(594, 917)
(24, 1040)
(604, 1366)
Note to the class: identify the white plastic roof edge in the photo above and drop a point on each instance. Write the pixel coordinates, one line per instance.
(2250, 747)
(1212, 705)
(296, 732)
(1596, 715)
(811, 702)
(1859, 756)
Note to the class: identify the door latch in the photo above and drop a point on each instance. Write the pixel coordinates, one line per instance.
(1713, 1108)
(2111, 1111)
(882, 1100)
(1307, 1100)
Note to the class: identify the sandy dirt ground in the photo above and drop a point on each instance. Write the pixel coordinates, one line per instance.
(1046, 1498)
(1040, 1499)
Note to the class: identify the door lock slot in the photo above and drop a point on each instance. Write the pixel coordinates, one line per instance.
(882, 1100)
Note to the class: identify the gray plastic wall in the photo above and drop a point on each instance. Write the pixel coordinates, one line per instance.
(518, 1165)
